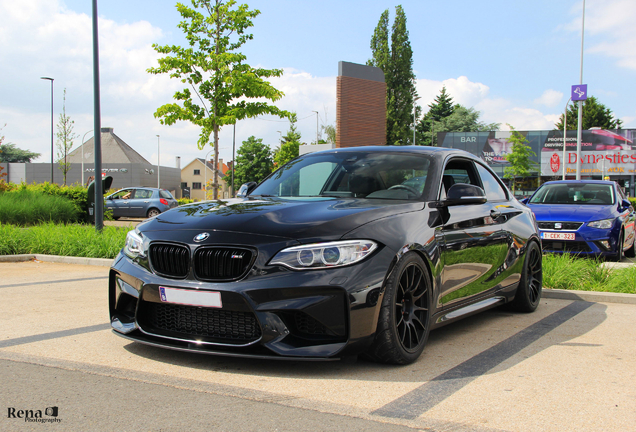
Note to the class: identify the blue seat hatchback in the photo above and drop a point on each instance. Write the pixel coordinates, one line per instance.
(587, 217)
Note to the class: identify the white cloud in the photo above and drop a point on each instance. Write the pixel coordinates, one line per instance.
(492, 109)
(461, 89)
(609, 25)
(549, 98)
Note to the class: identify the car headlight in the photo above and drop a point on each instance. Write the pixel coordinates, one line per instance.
(134, 246)
(603, 224)
(324, 255)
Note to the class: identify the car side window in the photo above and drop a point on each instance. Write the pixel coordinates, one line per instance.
(143, 194)
(494, 190)
(458, 171)
(124, 194)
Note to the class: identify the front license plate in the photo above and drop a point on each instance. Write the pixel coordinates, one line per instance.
(190, 297)
(557, 236)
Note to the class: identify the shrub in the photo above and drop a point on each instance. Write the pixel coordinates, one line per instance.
(76, 193)
(182, 201)
(25, 207)
(65, 240)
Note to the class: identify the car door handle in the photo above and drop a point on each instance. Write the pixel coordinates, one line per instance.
(146, 201)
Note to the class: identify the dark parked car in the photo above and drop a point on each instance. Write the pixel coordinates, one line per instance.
(587, 217)
(333, 254)
(140, 202)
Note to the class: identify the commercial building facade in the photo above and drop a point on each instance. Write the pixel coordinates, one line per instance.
(604, 154)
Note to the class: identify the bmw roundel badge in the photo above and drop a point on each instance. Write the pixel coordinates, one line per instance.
(200, 237)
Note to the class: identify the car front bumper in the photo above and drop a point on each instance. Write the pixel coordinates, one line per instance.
(587, 241)
(271, 312)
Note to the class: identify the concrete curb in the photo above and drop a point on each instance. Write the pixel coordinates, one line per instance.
(104, 262)
(589, 296)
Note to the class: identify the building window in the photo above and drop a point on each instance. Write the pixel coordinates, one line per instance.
(196, 185)
(184, 185)
(197, 172)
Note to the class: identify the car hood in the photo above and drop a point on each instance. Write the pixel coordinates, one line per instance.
(305, 220)
(571, 213)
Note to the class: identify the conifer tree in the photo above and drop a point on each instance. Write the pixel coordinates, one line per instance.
(397, 65)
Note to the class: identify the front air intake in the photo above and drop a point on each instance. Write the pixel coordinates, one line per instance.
(170, 260)
(221, 263)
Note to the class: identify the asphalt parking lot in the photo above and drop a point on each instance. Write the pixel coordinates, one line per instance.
(569, 366)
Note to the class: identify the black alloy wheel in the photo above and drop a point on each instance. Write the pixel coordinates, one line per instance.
(531, 283)
(404, 321)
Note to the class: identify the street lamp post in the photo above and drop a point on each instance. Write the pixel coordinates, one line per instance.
(233, 156)
(415, 99)
(565, 129)
(83, 155)
(316, 126)
(579, 131)
(51, 79)
(158, 163)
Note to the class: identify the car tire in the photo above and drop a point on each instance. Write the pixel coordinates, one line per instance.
(631, 252)
(405, 314)
(530, 286)
(152, 212)
(619, 248)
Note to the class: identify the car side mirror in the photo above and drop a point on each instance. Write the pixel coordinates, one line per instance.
(462, 194)
(625, 204)
(246, 189)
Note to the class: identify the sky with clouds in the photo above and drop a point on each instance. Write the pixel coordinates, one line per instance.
(514, 62)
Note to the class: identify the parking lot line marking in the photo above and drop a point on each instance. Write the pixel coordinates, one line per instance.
(423, 398)
(52, 335)
(53, 281)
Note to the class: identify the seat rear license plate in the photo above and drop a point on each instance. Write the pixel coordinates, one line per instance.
(557, 236)
(190, 297)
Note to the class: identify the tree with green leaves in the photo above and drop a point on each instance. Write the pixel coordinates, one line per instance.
(221, 87)
(9, 153)
(397, 64)
(595, 114)
(330, 133)
(519, 158)
(462, 119)
(253, 161)
(441, 107)
(65, 137)
(290, 145)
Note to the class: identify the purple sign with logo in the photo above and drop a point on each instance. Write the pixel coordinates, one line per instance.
(579, 92)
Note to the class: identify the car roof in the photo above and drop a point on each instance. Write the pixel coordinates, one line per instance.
(605, 182)
(438, 152)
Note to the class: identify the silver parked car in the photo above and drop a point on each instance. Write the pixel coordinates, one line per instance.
(140, 202)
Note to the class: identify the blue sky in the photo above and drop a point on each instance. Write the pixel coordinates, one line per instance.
(513, 61)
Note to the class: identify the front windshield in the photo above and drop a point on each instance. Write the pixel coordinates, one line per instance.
(574, 193)
(373, 175)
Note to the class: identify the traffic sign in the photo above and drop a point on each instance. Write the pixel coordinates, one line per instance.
(579, 92)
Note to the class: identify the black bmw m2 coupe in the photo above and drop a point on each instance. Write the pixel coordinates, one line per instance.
(341, 252)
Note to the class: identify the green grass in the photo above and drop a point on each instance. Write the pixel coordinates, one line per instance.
(65, 240)
(586, 274)
(25, 207)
